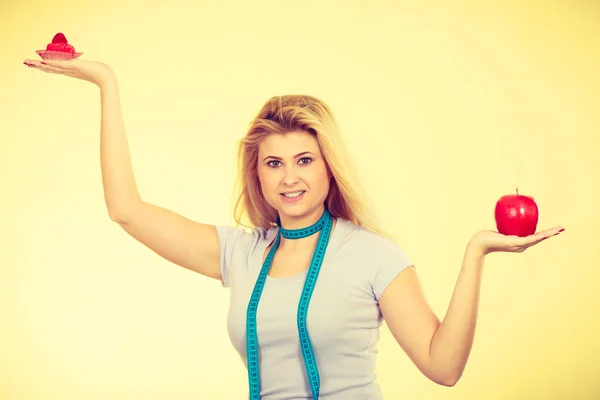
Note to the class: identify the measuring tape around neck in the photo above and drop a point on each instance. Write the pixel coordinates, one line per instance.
(324, 224)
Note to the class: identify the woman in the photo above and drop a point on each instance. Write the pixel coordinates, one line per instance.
(313, 280)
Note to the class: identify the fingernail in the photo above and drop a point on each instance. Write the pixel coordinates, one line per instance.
(561, 230)
(43, 62)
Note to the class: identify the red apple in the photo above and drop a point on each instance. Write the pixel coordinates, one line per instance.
(516, 214)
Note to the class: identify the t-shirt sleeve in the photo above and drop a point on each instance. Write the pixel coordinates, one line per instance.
(236, 245)
(391, 261)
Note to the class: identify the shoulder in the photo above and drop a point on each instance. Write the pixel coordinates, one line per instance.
(361, 241)
(237, 248)
(241, 242)
(372, 257)
(242, 237)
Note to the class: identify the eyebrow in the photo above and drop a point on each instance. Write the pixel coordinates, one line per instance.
(296, 156)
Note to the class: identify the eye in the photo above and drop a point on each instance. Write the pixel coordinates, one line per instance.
(302, 161)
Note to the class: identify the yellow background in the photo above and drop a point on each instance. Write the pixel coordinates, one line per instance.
(445, 106)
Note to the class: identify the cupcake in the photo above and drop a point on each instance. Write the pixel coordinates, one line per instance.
(59, 49)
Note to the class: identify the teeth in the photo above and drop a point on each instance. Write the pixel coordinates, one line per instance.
(295, 194)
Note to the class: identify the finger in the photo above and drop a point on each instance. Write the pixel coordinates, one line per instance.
(537, 241)
(44, 67)
(524, 242)
(63, 64)
(546, 233)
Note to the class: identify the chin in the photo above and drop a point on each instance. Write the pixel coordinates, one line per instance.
(293, 211)
(297, 211)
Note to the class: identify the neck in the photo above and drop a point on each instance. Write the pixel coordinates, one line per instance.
(303, 243)
(304, 221)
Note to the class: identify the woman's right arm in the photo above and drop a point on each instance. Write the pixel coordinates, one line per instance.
(187, 243)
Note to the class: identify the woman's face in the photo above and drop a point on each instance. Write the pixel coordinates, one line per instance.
(294, 177)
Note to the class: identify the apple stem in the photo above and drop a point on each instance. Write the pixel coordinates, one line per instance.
(517, 191)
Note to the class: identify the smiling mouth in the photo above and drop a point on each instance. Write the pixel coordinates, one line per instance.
(292, 195)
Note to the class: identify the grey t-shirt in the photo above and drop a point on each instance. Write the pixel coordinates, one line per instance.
(343, 317)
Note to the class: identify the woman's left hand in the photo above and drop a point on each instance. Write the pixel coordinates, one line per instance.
(492, 241)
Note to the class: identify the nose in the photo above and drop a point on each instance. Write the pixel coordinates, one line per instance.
(291, 177)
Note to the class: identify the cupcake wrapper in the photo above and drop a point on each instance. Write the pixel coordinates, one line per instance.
(57, 55)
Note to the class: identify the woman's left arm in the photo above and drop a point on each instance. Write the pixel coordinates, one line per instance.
(440, 350)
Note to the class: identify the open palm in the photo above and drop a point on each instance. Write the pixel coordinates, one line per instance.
(91, 71)
(492, 241)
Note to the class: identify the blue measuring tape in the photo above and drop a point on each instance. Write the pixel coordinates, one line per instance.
(324, 224)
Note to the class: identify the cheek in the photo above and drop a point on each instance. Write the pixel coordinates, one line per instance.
(321, 179)
(267, 179)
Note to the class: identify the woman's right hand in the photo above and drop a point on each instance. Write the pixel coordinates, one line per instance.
(92, 71)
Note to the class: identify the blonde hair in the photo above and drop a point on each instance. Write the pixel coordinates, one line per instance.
(298, 113)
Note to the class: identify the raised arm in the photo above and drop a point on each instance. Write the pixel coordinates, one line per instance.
(184, 242)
